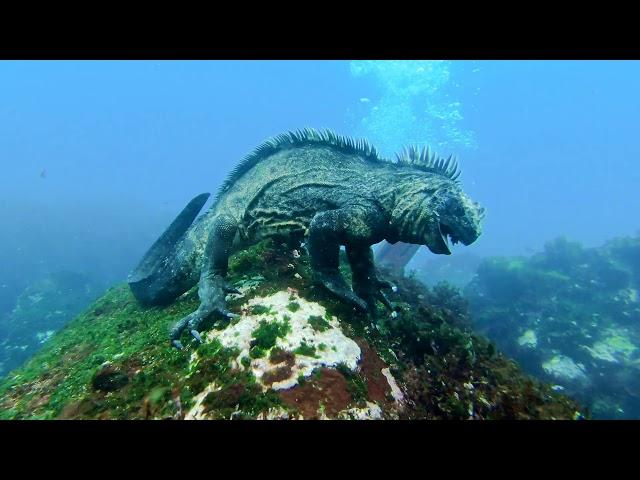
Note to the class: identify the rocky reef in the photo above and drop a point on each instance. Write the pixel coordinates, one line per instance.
(40, 310)
(570, 315)
(292, 353)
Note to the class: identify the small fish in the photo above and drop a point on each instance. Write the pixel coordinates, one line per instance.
(364, 100)
(43, 174)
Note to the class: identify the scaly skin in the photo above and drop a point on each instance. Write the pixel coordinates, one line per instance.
(316, 184)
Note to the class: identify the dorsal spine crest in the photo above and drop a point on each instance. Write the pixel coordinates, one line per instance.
(410, 156)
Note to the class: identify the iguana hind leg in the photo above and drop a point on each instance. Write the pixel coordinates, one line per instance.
(366, 283)
(213, 286)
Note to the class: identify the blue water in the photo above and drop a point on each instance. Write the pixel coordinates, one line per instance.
(98, 156)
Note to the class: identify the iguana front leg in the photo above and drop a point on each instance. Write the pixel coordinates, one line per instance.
(353, 225)
(366, 283)
(213, 286)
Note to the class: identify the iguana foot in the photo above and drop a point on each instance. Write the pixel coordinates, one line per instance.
(337, 285)
(212, 303)
(371, 291)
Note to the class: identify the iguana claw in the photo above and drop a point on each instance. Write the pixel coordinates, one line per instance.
(195, 334)
(336, 285)
(371, 292)
(211, 293)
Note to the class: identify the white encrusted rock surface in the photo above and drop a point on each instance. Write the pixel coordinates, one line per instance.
(330, 347)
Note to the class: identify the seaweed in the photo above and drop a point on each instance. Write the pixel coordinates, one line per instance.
(569, 315)
(306, 350)
(430, 342)
(267, 333)
(318, 323)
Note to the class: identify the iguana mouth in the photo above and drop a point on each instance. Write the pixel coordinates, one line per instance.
(442, 240)
(446, 231)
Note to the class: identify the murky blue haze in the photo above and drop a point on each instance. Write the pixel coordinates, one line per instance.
(552, 145)
(97, 157)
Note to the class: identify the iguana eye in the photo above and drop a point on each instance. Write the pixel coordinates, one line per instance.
(450, 203)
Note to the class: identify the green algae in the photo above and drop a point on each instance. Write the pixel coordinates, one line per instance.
(42, 308)
(576, 302)
(260, 310)
(318, 323)
(257, 352)
(56, 383)
(113, 329)
(135, 341)
(293, 306)
(267, 333)
(356, 384)
(240, 398)
(429, 345)
(306, 350)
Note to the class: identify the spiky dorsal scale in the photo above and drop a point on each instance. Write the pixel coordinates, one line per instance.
(291, 139)
(411, 156)
(429, 162)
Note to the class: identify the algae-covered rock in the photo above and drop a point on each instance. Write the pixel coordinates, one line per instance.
(569, 315)
(565, 369)
(292, 353)
(295, 349)
(109, 379)
(40, 310)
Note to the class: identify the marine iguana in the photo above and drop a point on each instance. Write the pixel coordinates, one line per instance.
(328, 188)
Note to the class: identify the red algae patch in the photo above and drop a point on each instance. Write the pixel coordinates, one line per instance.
(277, 375)
(378, 388)
(284, 362)
(327, 394)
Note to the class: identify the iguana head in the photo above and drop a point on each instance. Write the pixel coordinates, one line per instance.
(430, 206)
(456, 219)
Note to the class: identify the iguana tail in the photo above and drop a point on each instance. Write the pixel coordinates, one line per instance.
(160, 277)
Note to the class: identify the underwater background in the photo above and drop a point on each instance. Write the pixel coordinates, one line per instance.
(98, 157)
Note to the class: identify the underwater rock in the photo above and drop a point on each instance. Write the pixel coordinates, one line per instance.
(528, 339)
(568, 314)
(41, 309)
(293, 352)
(108, 379)
(615, 347)
(370, 412)
(309, 348)
(564, 368)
